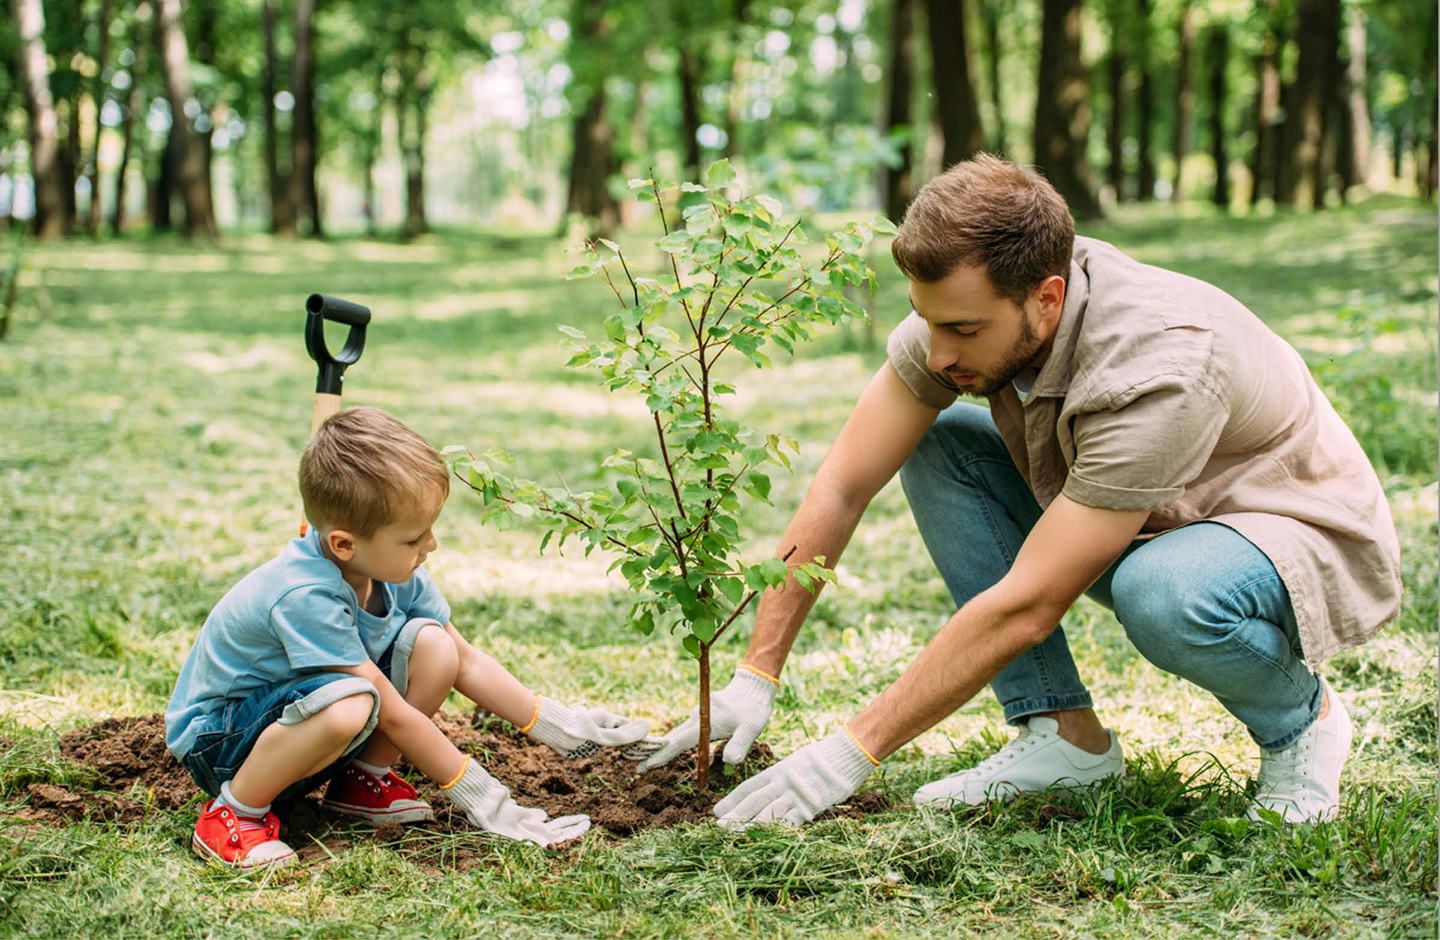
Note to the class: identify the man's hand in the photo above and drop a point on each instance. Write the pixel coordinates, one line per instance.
(739, 712)
(800, 787)
(487, 804)
(574, 733)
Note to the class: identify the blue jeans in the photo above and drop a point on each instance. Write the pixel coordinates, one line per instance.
(230, 733)
(1200, 601)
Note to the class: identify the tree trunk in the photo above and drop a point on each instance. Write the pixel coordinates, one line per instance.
(1216, 57)
(1356, 169)
(1145, 104)
(375, 137)
(954, 86)
(302, 126)
(1319, 40)
(1184, 98)
(896, 183)
(205, 15)
(282, 214)
(592, 156)
(1062, 110)
(162, 194)
(1264, 158)
(175, 63)
(702, 747)
(990, 13)
(99, 91)
(691, 64)
(1116, 68)
(415, 221)
(133, 103)
(34, 72)
(70, 168)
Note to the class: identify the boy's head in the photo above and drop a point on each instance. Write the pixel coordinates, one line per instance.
(363, 470)
(992, 214)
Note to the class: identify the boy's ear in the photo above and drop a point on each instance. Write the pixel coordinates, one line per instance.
(340, 543)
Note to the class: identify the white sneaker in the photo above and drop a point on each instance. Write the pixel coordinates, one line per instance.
(1302, 782)
(1038, 759)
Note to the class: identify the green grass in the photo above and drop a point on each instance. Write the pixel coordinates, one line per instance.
(154, 397)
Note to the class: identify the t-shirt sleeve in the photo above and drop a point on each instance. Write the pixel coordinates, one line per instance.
(908, 348)
(425, 599)
(317, 629)
(1143, 454)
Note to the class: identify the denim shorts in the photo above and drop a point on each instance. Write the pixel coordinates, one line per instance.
(230, 733)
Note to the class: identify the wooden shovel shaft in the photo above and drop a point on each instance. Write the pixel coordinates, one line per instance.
(325, 406)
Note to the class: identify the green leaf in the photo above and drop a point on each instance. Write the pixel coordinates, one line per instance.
(692, 646)
(770, 204)
(676, 242)
(720, 174)
(645, 623)
(774, 571)
(732, 588)
(571, 331)
(703, 629)
(759, 483)
(689, 187)
(639, 184)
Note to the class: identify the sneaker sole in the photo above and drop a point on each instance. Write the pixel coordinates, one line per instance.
(409, 814)
(209, 854)
(1004, 791)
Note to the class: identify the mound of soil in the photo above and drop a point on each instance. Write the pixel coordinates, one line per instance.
(140, 776)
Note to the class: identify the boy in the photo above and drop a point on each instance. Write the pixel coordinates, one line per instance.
(328, 661)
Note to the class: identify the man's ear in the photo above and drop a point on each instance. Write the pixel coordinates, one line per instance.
(340, 543)
(1051, 294)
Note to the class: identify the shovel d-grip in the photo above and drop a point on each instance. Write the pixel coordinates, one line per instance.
(330, 378)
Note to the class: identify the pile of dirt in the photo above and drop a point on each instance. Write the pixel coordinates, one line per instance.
(140, 776)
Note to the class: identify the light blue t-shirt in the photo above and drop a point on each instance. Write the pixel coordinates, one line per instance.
(292, 616)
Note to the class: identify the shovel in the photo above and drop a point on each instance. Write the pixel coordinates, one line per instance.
(331, 375)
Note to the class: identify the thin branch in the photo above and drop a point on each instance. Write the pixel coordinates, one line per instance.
(669, 467)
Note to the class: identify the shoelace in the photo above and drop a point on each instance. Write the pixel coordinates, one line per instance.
(250, 824)
(1009, 752)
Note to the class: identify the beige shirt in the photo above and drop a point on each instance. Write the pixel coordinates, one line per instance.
(1164, 393)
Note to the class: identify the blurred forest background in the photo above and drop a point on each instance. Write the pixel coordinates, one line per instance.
(389, 116)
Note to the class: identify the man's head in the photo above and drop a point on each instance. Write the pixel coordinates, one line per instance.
(373, 486)
(987, 248)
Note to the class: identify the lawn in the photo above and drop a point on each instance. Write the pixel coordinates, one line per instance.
(155, 396)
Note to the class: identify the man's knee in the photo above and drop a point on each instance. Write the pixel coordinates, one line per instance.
(1165, 614)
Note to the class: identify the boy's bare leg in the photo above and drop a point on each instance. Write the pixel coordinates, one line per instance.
(431, 675)
(284, 754)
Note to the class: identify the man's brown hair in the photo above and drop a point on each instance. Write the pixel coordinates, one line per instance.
(992, 213)
(363, 468)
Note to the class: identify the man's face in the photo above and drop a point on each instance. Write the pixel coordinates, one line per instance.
(980, 339)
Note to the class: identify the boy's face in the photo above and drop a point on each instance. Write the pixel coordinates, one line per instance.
(394, 551)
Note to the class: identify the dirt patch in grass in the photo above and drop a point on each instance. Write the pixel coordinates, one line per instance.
(142, 777)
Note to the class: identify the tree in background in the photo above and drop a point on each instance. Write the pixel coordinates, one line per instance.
(189, 158)
(1318, 41)
(898, 119)
(1062, 109)
(29, 17)
(304, 130)
(1217, 54)
(954, 84)
(1184, 95)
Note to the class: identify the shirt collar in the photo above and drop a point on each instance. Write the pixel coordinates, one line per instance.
(1054, 378)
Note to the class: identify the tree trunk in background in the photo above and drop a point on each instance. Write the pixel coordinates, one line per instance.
(1062, 109)
(1356, 169)
(204, 15)
(691, 67)
(592, 157)
(99, 91)
(1319, 41)
(897, 182)
(1116, 67)
(1428, 170)
(374, 141)
(954, 87)
(739, 76)
(175, 64)
(282, 214)
(70, 168)
(133, 103)
(850, 88)
(1184, 98)
(1216, 56)
(416, 222)
(991, 14)
(1264, 158)
(1144, 103)
(34, 73)
(162, 190)
(302, 124)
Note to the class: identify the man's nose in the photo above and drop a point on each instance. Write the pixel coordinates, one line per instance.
(940, 357)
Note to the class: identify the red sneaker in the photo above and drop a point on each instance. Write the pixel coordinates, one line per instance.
(239, 841)
(380, 800)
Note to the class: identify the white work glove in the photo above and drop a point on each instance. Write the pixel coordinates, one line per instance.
(800, 787)
(739, 712)
(573, 733)
(487, 804)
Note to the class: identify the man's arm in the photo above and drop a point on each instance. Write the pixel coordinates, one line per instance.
(886, 425)
(1068, 549)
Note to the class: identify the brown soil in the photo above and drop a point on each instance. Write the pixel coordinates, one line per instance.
(140, 777)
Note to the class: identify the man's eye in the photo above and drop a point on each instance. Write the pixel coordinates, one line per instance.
(965, 333)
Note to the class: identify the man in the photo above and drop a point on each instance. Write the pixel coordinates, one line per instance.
(1148, 442)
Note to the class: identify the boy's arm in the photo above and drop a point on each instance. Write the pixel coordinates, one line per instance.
(409, 729)
(490, 685)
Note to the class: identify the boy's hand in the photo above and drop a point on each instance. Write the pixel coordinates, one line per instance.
(739, 712)
(574, 733)
(487, 804)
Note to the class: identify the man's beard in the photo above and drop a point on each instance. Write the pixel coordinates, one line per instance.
(1016, 360)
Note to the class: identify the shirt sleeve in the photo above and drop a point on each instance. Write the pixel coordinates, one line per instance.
(908, 348)
(1142, 455)
(317, 628)
(425, 599)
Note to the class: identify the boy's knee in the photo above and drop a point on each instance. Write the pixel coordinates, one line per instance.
(348, 716)
(435, 654)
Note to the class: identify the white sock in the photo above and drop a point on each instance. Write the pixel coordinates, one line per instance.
(376, 772)
(226, 798)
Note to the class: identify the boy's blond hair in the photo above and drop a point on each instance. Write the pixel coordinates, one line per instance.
(362, 468)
